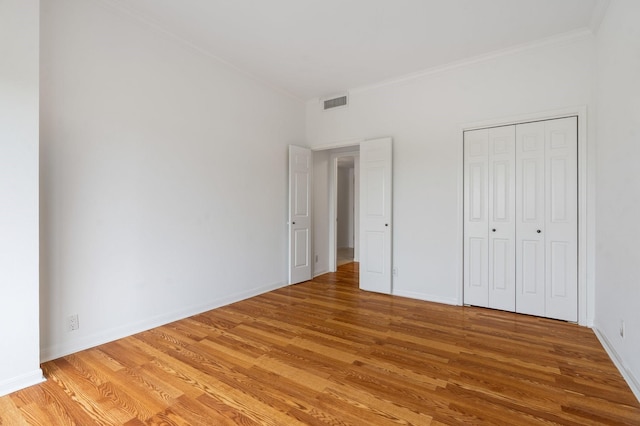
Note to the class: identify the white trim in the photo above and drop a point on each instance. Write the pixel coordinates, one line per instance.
(425, 297)
(333, 195)
(60, 350)
(627, 374)
(460, 212)
(20, 382)
(586, 206)
(339, 144)
(524, 118)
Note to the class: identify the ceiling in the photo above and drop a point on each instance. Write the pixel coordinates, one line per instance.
(315, 48)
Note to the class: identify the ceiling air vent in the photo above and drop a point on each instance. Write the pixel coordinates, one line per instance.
(340, 101)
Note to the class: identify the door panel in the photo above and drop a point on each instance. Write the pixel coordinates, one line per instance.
(529, 269)
(299, 214)
(562, 219)
(530, 211)
(501, 218)
(477, 264)
(501, 252)
(375, 215)
(558, 207)
(301, 199)
(477, 194)
(558, 264)
(374, 263)
(375, 189)
(476, 214)
(531, 195)
(301, 242)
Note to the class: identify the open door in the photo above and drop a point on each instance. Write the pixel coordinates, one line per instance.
(299, 214)
(375, 215)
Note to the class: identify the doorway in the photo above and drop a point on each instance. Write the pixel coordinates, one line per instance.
(344, 207)
(372, 224)
(346, 202)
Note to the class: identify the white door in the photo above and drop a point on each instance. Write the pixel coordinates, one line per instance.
(502, 204)
(476, 213)
(299, 214)
(530, 219)
(375, 215)
(520, 218)
(561, 224)
(489, 210)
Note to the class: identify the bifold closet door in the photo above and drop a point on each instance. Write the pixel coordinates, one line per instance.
(502, 230)
(520, 218)
(476, 218)
(546, 219)
(489, 258)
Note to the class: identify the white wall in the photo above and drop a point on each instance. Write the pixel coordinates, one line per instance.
(424, 116)
(19, 333)
(163, 177)
(618, 185)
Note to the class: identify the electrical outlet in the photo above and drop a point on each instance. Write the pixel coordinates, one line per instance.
(395, 271)
(622, 328)
(73, 323)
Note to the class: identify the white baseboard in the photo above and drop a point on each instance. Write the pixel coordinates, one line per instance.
(99, 338)
(20, 382)
(426, 297)
(318, 273)
(628, 376)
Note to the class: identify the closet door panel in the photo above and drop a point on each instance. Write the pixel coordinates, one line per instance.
(476, 210)
(502, 218)
(530, 219)
(561, 224)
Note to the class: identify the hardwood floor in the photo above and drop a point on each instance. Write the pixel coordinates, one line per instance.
(323, 352)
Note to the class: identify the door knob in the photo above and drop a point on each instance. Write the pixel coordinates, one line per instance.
(293, 223)
(493, 230)
(538, 231)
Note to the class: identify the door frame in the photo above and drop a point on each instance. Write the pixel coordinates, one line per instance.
(333, 207)
(586, 204)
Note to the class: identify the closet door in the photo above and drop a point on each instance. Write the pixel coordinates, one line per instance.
(502, 218)
(546, 219)
(520, 208)
(530, 219)
(561, 225)
(476, 217)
